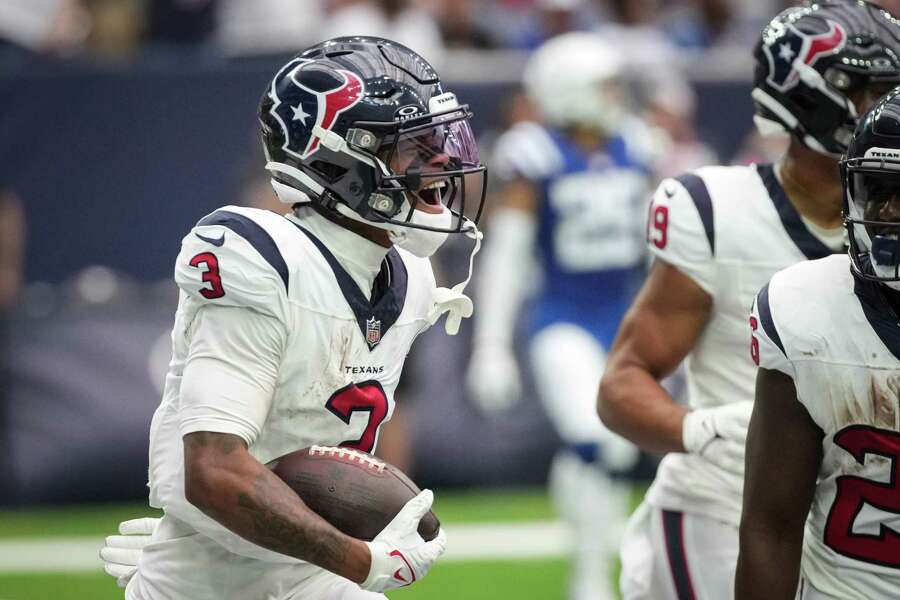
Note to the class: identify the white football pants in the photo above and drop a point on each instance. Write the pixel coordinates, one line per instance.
(567, 363)
(671, 555)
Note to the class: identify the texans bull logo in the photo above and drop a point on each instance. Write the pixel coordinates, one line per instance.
(793, 46)
(305, 95)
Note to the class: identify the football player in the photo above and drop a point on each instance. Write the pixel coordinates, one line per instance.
(573, 196)
(718, 235)
(824, 438)
(292, 331)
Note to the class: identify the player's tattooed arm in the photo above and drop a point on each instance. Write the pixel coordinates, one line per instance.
(779, 484)
(658, 331)
(227, 483)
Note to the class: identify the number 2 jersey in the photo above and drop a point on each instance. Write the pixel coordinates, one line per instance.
(835, 335)
(729, 229)
(589, 238)
(307, 358)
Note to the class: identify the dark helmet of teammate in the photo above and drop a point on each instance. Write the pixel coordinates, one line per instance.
(364, 124)
(871, 177)
(812, 60)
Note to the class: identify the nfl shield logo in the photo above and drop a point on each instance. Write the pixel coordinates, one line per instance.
(373, 331)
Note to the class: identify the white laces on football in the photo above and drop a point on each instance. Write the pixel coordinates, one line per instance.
(453, 300)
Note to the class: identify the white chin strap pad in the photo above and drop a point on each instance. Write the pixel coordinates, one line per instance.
(458, 305)
(768, 127)
(289, 195)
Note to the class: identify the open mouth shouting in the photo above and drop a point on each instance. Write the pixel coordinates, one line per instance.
(429, 197)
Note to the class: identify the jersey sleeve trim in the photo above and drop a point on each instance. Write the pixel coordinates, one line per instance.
(765, 317)
(698, 192)
(261, 241)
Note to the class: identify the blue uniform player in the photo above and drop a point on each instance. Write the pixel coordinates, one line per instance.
(573, 200)
(588, 240)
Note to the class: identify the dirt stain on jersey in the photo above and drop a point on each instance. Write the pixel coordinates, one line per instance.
(877, 406)
(330, 379)
(884, 397)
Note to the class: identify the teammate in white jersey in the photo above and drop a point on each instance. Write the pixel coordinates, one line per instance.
(292, 331)
(824, 441)
(718, 235)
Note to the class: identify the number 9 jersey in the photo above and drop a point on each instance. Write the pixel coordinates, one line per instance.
(728, 229)
(275, 343)
(836, 337)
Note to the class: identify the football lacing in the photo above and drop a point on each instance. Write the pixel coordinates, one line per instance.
(361, 457)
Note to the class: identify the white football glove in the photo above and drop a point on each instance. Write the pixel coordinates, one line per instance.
(399, 554)
(493, 378)
(122, 553)
(719, 434)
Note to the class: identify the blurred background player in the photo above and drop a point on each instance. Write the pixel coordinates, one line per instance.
(827, 339)
(572, 197)
(718, 234)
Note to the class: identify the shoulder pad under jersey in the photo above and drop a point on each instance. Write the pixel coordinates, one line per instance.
(231, 258)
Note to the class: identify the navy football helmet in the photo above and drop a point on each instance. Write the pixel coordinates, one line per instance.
(871, 177)
(363, 124)
(811, 60)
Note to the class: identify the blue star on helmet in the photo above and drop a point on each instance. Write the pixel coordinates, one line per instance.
(300, 114)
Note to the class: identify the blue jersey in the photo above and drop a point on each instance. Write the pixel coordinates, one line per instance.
(590, 235)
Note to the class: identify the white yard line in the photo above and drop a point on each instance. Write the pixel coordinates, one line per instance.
(505, 541)
(57, 554)
(489, 541)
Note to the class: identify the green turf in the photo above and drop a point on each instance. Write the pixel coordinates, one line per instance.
(490, 580)
(94, 519)
(544, 580)
(529, 504)
(59, 586)
(100, 519)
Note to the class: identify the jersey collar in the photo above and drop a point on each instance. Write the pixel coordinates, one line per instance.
(879, 313)
(376, 316)
(811, 246)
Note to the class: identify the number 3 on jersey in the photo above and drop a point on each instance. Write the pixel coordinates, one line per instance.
(882, 548)
(210, 275)
(366, 396)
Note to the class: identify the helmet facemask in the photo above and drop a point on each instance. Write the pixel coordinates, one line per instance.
(430, 174)
(872, 187)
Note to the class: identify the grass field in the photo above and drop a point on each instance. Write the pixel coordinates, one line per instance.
(539, 578)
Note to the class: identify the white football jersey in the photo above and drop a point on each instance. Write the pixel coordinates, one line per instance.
(839, 340)
(729, 229)
(315, 361)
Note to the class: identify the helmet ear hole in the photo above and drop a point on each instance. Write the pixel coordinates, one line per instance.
(329, 171)
(805, 103)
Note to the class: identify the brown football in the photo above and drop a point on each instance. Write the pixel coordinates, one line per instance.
(353, 490)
